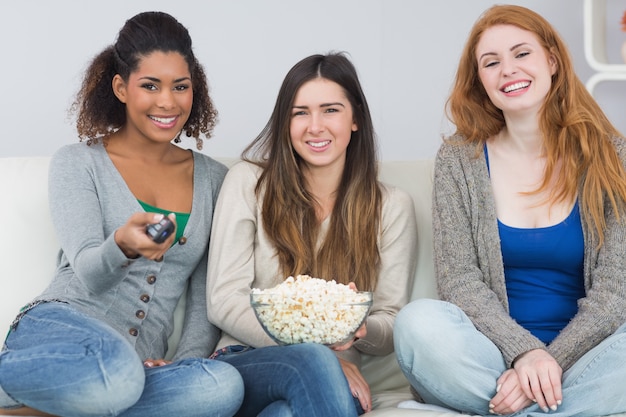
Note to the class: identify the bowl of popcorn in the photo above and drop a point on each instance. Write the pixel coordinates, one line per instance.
(310, 310)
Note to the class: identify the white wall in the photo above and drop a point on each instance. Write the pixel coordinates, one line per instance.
(405, 51)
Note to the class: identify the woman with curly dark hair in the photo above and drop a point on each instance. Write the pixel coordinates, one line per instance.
(94, 342)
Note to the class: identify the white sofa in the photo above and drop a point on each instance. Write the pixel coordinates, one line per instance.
(28, 248)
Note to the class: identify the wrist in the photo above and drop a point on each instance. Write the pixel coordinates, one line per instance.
(128, 252)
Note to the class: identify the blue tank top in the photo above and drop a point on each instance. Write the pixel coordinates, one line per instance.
(543, 270)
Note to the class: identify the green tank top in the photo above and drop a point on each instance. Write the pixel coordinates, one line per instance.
(181, 218)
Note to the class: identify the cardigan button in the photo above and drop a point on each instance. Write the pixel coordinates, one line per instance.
(140, 314)
(145, 298)
(133, 332)
(151, 279)
(182, 240)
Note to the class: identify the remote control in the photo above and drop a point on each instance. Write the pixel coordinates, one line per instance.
(161, 230)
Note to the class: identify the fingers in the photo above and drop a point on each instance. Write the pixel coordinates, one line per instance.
(546, 391)
(359, 334)
(152, 363)
(364, 398)
(358, 386)
(509, 397)
(362, 332)
(540, 378)
(133, 240)
(510, 406)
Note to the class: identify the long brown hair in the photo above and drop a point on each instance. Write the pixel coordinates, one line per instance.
(577, 134)
(350, 250)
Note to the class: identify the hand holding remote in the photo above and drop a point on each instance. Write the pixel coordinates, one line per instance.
(160, 231)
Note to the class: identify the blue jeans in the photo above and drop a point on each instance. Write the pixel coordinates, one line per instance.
(66, 363)
(303, 380)
(451, 364)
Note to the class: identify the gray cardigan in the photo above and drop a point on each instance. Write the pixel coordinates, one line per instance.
(470, 272)
(89, 200)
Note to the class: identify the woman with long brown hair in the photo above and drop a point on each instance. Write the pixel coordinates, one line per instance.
(307, 200)
(529, 237)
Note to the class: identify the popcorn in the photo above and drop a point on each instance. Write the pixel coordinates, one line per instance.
(305, 309)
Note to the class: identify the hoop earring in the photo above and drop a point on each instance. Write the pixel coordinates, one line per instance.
(177, 138)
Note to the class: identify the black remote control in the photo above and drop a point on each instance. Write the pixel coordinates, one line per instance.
(161, 230)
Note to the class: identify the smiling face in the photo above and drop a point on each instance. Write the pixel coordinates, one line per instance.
(158, 96)
(321, 124)
(514, 69)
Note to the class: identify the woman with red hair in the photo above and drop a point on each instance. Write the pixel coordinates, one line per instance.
(529, 237)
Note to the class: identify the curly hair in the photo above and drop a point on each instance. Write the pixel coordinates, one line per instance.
(98, 110)
(350, 250)
(577, 134)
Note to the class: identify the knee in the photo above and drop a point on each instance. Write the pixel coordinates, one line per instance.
(309, 359)
(418, 322)
(277, 409)
(98, 376)
(120, 366)
(212, 385)
(317, 355)
(113, 383)
(421, 332)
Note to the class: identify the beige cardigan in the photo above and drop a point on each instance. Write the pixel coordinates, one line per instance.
(241, 257)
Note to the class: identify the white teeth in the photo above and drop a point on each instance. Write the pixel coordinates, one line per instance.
(319, 144)
(163, 119)
(516, 86)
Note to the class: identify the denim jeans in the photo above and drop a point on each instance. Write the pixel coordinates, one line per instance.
(451, 364)
(303, 380)
(66, 363)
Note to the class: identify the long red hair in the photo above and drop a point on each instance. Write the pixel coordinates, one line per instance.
(577, 134)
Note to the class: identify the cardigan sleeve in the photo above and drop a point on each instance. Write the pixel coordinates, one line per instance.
(77, 216)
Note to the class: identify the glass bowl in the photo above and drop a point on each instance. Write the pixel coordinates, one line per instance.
(329, 320)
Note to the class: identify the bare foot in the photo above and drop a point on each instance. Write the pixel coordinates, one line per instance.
(23, 411)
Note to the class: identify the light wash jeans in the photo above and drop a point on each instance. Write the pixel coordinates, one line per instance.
(303, 380)
(451, 364)
(66, 363)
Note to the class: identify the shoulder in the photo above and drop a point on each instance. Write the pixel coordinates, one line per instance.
(620, 147)
(241, 180)
(210, 166)
(396, 203)
(78, 157)
(77, 150)
(244, 171)
(395, 197)
(246, 168)
(456, 148)
(462, 160)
